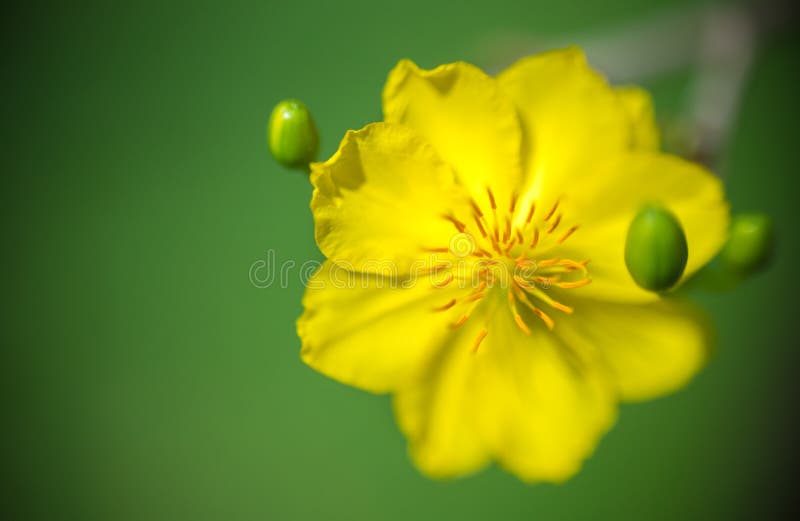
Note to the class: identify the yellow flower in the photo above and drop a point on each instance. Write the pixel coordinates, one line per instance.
(475, 244)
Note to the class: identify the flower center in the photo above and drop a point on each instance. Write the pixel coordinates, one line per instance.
(509, 252)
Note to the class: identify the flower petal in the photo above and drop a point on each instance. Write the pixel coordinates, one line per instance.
(526, 401)
(641, 116)
(652, 349)
(436, 411)
(571, 118)
(605, 205)
(370, 331)
(460, 110)
(380, 200)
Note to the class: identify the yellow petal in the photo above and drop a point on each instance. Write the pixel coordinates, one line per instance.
(436, 411)
(652, 349)
(641, 116)
(460, 110)
(379, 202)
(571, 119)
(370, 331)
(526, 401)
(605, 206)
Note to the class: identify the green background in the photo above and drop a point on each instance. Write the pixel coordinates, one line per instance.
(147, 378)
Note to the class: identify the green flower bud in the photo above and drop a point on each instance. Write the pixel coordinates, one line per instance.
(750, 244)
(655, 249)
(293, 137)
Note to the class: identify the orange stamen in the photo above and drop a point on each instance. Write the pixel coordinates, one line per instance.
(566, 235)
(530, 213)
(555, 224)
(548, 262)
(481, 335)
(535, 240)
(458, 224)
(576, 284)
(475, 207)
(552, 210)
(491, 198)
(521, 324)
(445, 306)
(480, 226)
(474, 297)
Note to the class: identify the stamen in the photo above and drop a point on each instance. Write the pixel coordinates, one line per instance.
(491, 198)
(458, 224)
(535, 240)
(513, 204)
(530, 213)
(475, 208)
(522, 282)
(480, 226)
(576, 284)
(445, 306)
(443, 249)
(481, 335)
(434, 269)
(460, 321)
(552, 210)
(474, 297)
(574, 265)
(536, 311)
(521, 324)
(555, 224)
(520, 238)
(448, 279)
(548, 262)
(507, 232)
(552, 303)
(566, 235)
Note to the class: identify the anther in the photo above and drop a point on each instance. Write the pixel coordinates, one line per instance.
(475, 208)
(566, 235)
(576, 284)
(535, 240)
(458, 224)
(513, 205)
(555, 224)
(552, 210)
(481, 335)
(530, 213)
(480, 226)
(521, 324)
(474, 297)
(445, 306)
(491, 198)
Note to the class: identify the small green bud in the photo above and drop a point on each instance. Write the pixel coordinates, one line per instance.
(293, 137)
(750, 244)
(655, 249)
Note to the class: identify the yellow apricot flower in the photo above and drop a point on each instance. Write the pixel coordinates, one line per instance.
(475, 244)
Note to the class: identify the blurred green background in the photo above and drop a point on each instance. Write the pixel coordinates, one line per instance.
(148, 379)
